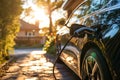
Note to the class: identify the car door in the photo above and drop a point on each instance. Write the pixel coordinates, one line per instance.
(82, 15)
(72, 51)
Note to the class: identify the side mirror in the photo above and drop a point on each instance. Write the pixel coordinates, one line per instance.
(77, 30)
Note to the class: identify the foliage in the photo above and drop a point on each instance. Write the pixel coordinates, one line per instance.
(9, 24)
(50, 45)
(50, 7)
(60, 21)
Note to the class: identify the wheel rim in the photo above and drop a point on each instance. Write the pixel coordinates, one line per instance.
(91, 69)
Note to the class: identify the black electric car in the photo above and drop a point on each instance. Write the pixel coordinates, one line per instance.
(89, 42)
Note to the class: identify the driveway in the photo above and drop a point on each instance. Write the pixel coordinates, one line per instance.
(35, 64)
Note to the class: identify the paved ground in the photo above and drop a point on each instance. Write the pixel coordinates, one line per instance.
(34, 64)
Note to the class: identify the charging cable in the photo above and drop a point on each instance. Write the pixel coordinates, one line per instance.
(76, 33)
(58, 55)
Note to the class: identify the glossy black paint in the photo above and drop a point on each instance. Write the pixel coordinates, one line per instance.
(104, 18)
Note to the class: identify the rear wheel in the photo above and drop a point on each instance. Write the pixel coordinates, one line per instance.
(94, 66)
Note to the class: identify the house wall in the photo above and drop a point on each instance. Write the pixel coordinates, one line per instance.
(29, 38)
(28, 33)
(21, 34)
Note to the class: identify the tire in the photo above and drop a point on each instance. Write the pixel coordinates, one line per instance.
(94, 66)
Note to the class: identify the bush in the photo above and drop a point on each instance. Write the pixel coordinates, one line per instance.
(9, 25)
(49, 46)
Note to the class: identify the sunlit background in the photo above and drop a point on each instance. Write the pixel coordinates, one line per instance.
(39, 14)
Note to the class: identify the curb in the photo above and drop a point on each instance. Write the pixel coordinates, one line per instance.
(4, 66)
(7, 62)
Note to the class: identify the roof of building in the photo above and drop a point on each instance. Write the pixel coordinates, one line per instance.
(27, 26)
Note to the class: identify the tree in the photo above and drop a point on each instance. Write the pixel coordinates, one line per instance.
(50, 7)
(9, 24)
(60, 21)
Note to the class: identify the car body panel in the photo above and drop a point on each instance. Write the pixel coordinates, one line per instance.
(106, 21)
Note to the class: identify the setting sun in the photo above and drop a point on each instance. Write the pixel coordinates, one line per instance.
(40, 14)
(37, 14)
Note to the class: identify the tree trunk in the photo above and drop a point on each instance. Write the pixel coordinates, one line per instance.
(50, 20)
(50, 24)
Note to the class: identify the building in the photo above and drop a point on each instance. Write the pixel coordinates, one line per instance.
(28, 35)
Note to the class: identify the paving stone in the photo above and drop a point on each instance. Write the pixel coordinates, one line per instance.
(34, 68)
(9, 75)
(24, 69)
(32, 78)
(21, 77)
(13, 69)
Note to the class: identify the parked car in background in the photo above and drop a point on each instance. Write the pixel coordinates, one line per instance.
(91, 37)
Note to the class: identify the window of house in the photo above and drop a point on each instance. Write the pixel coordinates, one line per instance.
(30, 34)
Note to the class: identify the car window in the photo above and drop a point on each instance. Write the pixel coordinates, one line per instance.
(80, 12)
(112, 3)
(88, 7)
(95, 5)
(111, 19)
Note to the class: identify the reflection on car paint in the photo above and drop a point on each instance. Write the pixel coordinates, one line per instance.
(112, 31)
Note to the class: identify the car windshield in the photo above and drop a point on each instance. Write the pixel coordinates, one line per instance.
(90, 7)
(87, 7)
